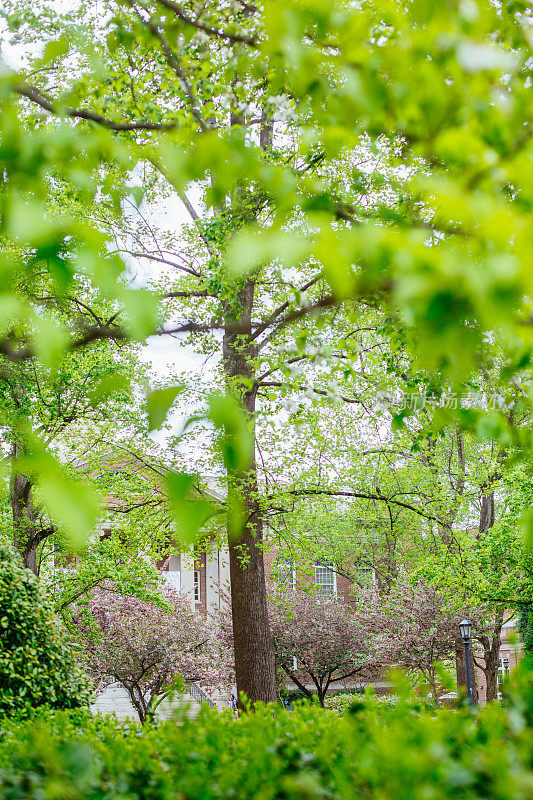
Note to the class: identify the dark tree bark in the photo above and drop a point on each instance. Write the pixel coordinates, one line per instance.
(254, 649)
(486, 512)
(28, 530)
(137, 700)
(491, 644)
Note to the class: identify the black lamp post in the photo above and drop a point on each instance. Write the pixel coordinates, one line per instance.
(466, 629)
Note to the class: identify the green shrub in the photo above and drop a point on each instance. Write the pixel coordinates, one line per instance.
(294, 695)
(375, 752)
(343, 702)
(37, 661)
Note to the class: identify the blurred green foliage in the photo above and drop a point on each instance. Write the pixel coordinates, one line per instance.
(373, 751)
(440, 239)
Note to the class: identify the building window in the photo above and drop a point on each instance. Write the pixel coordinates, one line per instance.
(173, 578)
(284, 574)
(325, 579)
(364, 573)
(172, 574)
(196, 586)
(503, 669)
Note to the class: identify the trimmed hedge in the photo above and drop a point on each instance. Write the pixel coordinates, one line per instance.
(373, 752)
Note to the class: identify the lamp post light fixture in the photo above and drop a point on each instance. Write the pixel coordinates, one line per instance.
(466, 629)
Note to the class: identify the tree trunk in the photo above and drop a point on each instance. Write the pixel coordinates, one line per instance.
(491, 656)
(491, 678)
(137, 700)
(431, 678)
(254, 650)
(490, 643)
(486, 513)
(28, 532)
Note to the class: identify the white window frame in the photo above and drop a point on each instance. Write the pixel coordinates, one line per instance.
(503, 668)
(286, 567)
(326, 566)
(173, 578)
(197, 586)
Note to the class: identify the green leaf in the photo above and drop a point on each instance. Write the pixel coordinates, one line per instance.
(141, 310)
(109, 386)
(158, 405)
(526, 523)
(55, 49)
(28, 223)
(10, 309)
(236, 441)
(188, 513)
(50, 340)
(73, 505)
(251, 248)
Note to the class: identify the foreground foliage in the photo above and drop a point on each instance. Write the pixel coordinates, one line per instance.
(37, 662)
(372, 751)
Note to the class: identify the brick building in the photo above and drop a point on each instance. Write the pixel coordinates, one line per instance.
(511, 650)
(199, 576)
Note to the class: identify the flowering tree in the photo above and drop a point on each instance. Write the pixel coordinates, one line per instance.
(320, 640)
(145, 647)
(419, 630)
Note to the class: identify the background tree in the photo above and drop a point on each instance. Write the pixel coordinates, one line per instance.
(51, 405)
(146, 647)
(421, 497)
(319, 641)
(419, 630)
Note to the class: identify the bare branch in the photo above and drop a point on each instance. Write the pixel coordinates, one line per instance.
(192, 293)
(366, 496)
(283, 307)
(325, 302)
(196, 23)
(43, 101)
(196, 219)
(162, 260)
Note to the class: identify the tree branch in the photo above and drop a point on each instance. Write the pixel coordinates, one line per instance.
(201, 26)
(172, 61)
(325, 302)
(43, 101)
(365, 496)
(283, 307)
(91, 333)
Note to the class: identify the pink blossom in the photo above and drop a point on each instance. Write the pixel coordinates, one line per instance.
(146, 647)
